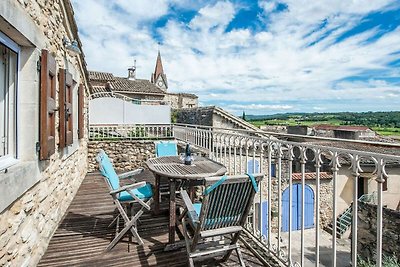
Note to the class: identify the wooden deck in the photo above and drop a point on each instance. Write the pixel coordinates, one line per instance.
(83, 235)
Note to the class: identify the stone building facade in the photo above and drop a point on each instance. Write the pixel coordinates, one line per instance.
(46, 156)
(106, 84)
(213, 116)
(181, 100)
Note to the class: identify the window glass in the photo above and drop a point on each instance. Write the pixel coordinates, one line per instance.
(8, 81)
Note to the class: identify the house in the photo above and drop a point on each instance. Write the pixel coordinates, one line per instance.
(366, 181)
(106, 84)
(213, 116)
(298, 129)
(140, 90)
(343, 131)
(43, 153)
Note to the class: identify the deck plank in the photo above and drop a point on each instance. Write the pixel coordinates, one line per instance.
(83, 235)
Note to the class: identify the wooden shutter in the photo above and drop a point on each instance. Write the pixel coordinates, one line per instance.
(48, 70)
(65, 102)
(81, 119)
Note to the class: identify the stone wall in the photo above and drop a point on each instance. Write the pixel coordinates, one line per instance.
(274, 128)
(125, 155)
(30, 218)
(367, 214)
(28, 224)
(182, 100)
(199, 116)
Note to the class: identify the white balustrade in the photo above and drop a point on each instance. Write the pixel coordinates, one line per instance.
(281, 161)
(129, 132)
(235, 148)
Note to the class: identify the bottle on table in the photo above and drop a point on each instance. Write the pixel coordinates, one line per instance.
(188, 156)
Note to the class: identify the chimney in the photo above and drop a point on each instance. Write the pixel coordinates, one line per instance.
(132, 72)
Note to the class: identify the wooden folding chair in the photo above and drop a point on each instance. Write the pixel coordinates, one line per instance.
(223, 212)
(124, 197)
(166, 148)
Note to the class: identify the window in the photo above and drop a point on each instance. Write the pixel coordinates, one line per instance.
(8, 92)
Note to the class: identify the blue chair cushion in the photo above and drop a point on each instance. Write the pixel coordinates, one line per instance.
(143, 192)
(165, 149)
(108, 171)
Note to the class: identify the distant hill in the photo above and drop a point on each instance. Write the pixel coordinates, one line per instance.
(371, 119)
(386, 123)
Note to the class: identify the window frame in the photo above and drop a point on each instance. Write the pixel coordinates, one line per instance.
(12, 157)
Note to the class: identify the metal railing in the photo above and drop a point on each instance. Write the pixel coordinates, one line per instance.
(99, 132)
(283, 223)
(280, 226)
(345, 219)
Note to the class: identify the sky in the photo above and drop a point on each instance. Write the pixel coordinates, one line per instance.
(261, 57)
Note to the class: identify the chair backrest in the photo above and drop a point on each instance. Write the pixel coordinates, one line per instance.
(166, 148)
(228, 203)
(107, 169)
(253, 166)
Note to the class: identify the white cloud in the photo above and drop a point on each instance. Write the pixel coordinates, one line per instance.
(210, 16)
(274, 63)
(259, 106)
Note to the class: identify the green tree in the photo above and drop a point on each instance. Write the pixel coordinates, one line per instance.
(244, 116)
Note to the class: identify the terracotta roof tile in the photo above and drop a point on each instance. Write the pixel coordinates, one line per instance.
(100, 91)
(374, 148)
(138, 86)
(100, 76)
(312, 176)
(184, 94)
(352, 128)
(328, 127)
(325, 127)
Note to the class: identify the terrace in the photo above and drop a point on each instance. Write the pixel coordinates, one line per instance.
(352, 189)
(83, 235)
(322, 202)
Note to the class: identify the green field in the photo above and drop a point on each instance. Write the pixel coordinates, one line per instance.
(384, 123)
(385, 131)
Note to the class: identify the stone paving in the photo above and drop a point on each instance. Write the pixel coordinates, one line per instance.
(343, 248)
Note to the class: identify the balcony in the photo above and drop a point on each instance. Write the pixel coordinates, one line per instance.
(83, 235)
(322, 202)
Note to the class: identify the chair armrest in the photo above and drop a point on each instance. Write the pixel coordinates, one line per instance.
(127, 187)
(130, 173)
(189, 206)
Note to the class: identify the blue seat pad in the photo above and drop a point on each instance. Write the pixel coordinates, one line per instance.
(143, 192)
(108, 171)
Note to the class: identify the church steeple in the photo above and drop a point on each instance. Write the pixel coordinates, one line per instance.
(158, 77)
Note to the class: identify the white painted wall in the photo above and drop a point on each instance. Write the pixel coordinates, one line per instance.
(345, 187)
(109, 110)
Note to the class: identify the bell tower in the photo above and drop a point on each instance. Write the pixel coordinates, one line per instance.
(158, 77)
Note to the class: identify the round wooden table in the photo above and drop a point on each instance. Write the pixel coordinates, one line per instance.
(173, 168)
